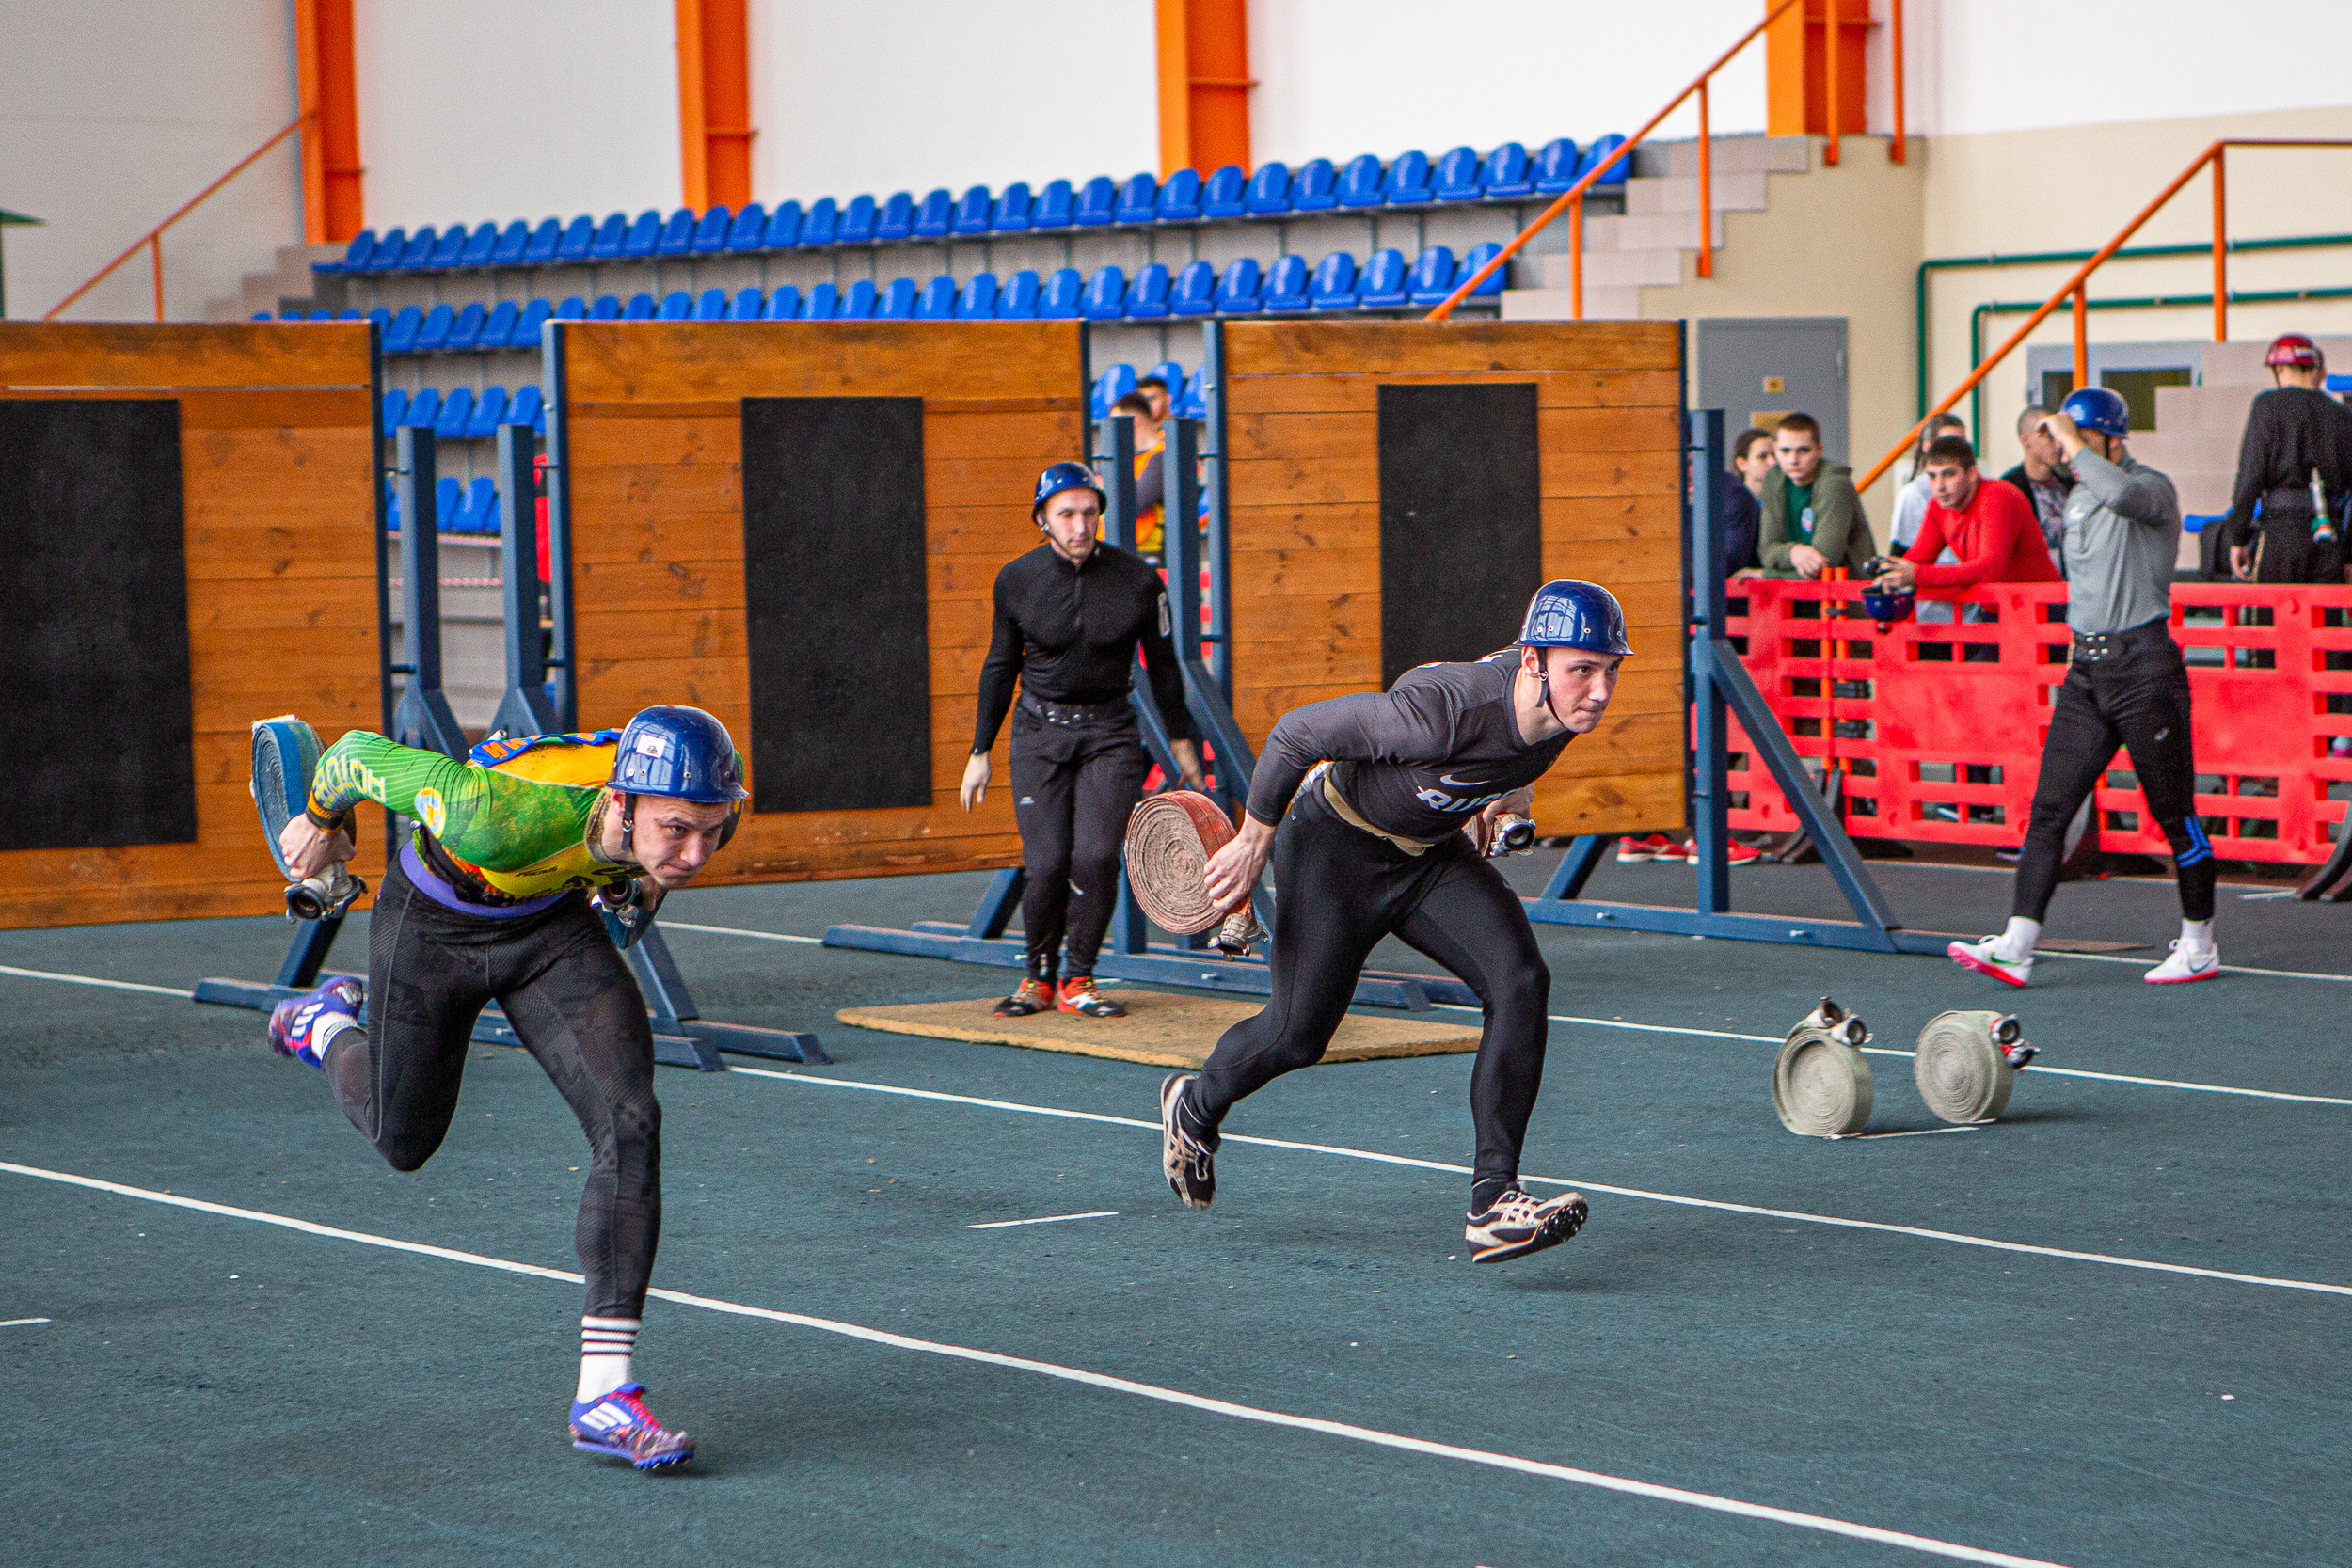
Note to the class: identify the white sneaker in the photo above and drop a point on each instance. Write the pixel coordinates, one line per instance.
(1985, 959)
(2185, 964)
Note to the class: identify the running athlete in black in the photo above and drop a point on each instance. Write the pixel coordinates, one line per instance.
(488, 903)
(1070, 615)
(1385, 804)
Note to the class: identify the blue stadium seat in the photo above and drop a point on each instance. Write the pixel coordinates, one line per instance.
(1457, 176)
(1013, 211)
(418, 254)
(785, 303)
(525, 333)
(466, 517)
(977, 302)
(1017, 301)
(1114, 383)
(425, 408)
(482, 506)
(823, 224)
(1506, 173)
(822, 305)
(1286, 284)
(1556, 166)
(1359, 181)
(395, 410)
(896, 221)
(1237, 293)
(938, 303)
(857, 221)
(483, 243)
(464, 333)
(748, 233)
(784, 228)
(858, 303)
(574, 309)
(676, 305)
(1059, 299)
(1334, 285)
(1194, 294)
(1193, 403)
(488, 409)
(1478, 257)
(896, 301)
(1269, 191)
(749, 304)
(1432, 277)
(612, 236)
(678, 234)
(972, 213)
(382, 317)
(348, 314)
(433, 330)
(1105, 295)
(1138, 200)
(641, 308)
(1053, 209)
(319, 316)
(1315, 188)
(1098, 200)
(1383, 286)
(579, 235)
(712, 305)
(456, 413)
(1172, 377)
(389, 251)
(528, 407)
(355, 256)
(511, 243)
(936, 217)
(606, 308)
(539, 250)
(448, 496)
(709, 237)
(1147, 297)
(1225, 194)
(391, 507)
(452, 248)
(1179, 200)
(1600, 149)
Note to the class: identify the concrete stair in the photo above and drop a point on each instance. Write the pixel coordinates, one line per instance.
(289, 285)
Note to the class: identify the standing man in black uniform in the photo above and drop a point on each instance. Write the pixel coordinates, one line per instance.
(1068, 617)
(2298, 443)
(1402, 793)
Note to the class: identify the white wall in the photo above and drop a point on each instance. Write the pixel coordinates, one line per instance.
(895, 95)
(115, 112)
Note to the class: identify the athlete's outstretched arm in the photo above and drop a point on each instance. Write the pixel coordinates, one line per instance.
(1412, 725)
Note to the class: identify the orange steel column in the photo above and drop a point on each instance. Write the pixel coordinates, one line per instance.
(1830, 118)
(1816, 70)
(1896, 151)
(1205, 84)
(1707, 191)
(714, 98)
(2082, 334)
(327, 80)
(2220, 254)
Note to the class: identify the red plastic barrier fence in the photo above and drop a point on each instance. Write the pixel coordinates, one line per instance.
(1937, 722)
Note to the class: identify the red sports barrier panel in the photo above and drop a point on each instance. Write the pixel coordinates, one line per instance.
(1937, 722)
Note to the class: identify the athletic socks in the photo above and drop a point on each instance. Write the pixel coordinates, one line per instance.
(2015, 945)
(1486, 1193)
(2197, 936)
(605, 1345)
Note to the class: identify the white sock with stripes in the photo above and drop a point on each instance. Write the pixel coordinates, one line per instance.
(605, 1344)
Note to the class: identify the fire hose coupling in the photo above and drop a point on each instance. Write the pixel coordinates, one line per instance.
(1514, 835)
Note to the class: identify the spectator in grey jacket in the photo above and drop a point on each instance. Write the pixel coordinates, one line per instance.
(1812, 519)
(2044, 479)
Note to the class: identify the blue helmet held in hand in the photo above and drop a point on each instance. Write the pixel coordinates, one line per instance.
(2096, 409)
(1065, 476)
(681, 752)
(1887, 605)
(1570, 615)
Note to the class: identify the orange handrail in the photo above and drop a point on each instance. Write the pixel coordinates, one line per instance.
(153, 238)
(2077, 286)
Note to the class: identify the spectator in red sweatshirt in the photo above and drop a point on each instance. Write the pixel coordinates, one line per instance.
(1987, 524)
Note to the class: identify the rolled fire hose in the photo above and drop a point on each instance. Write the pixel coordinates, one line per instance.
(1821, 1083)
(1170, 837)
(1967, 1064)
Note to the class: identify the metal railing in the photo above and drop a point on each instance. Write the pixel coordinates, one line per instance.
(152, 241)
(2076, 288)
(1571, 200)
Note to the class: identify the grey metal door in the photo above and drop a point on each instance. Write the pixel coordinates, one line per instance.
(1775, 365)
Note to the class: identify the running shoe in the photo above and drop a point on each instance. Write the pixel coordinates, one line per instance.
(1735, 852)
(2184, 964)
(1518, 1224)
(1984, 958)
(1030, 996)
(620, 1425)
(304, 1026)
(1189, 1164)
(1078, 995)
(1657, 847)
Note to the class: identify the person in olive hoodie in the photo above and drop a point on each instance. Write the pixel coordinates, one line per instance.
(1812, 519)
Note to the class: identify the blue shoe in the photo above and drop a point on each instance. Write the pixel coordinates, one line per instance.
(620, 1425)
(304, 1026)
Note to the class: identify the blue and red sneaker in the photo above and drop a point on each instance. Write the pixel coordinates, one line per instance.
(304, 1026)
(620, 1425)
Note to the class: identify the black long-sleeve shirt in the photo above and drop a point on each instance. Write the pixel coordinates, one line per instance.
(2289, 432)
(1070, 634)
(1414, 760)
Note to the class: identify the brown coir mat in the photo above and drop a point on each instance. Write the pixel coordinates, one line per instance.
(1161, 1028)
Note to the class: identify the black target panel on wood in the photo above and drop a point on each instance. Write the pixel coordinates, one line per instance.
(833, 581)
(94, 624)
(1461, 520)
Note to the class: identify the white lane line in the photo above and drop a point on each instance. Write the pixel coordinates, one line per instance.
(1258, 1413)
(2226, 969)
(92, 980)
(22, 1323)
(740, 932)
(1046, 1219)
(1955, 1237)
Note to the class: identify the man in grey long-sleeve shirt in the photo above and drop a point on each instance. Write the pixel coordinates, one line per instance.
(2125, 685)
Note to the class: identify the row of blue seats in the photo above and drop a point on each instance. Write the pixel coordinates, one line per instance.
(1187, 396)
(1335, 283)
(459, 508)
(1275, 191)
(465, 414)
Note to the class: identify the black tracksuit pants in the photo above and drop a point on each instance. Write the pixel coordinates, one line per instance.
(1339, 891)
(1072, 789)
(567, 992)
(2136, 697)
(2285, 550)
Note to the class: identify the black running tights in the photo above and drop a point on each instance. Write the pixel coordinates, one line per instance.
(1074, 785)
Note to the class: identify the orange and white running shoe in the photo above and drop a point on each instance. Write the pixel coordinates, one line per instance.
(1031, 995)
(1078, 995)
(1984, 957)
(1657, 847)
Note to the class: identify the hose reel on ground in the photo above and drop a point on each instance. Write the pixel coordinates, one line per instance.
(1967, 1063)
(1821, 1083)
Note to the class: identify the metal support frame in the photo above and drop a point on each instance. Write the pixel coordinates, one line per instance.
(525, 708)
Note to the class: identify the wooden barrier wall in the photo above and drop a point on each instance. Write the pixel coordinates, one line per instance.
(277, 461)
(1302, 432)
(652, 439)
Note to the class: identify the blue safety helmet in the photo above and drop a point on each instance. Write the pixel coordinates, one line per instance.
(681, 752)
(1571, 614)
(1066, 476)
(1885, 605)
(2096, 409)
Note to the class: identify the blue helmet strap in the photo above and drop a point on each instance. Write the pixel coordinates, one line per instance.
(1543, 682)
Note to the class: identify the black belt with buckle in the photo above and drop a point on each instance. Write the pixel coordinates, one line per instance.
(2092, 646)
(1072, 713)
